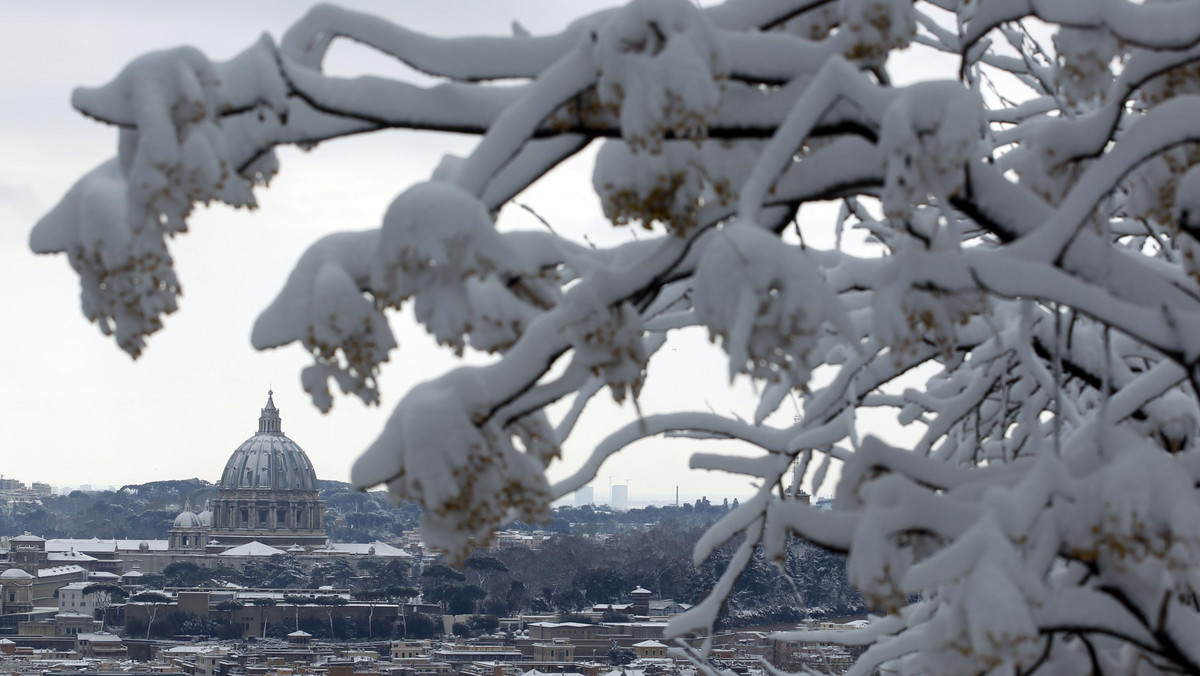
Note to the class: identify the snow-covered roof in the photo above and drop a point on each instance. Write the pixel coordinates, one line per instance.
(299, 634)
(60, 570)
(15, 574)
(376, 548)
(69, 556)
(132, 573)
(102, 575)
(857, 624)
(639, 590)
(649, 644)
(252, 548)
(100, 637)
(69, 544)
(184, 650)
(98, 545)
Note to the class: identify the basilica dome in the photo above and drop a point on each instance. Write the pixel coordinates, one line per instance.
(268, 492)
(269, 460)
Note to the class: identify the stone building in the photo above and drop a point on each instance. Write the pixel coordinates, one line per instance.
(26, 551)
(190, 531)
(16, 591)
(268, 491)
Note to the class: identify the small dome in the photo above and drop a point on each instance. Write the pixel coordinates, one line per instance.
(187, 518)
(269, 460)
(15, 574)
(205, 516)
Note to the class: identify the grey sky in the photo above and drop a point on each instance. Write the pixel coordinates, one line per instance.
(76, 410)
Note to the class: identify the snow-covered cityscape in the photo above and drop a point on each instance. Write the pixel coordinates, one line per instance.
(602, 337)
(253, 581)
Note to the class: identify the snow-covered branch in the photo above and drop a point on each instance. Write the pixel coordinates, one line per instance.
(1027, 301)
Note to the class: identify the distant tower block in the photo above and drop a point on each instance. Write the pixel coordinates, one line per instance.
(585, 496)
(620, 497)
(641, 601)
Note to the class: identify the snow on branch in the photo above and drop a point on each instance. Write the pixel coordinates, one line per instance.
(1003, 259)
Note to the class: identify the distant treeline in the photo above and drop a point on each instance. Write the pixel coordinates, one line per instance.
(146, 511)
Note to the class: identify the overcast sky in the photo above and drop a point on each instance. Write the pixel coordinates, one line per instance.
(76, 410)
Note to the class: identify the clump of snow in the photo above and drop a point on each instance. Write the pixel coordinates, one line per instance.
(907, 315)
(126, 279)
(500, 318)
(874, 28)
(1154, 186)
(1085, 58)
(171, 154)
(1174, 419)
(766, 301)
(660, 61)
(1138, 514)
(174, 154)
(991, 589)
(435, 237)
(670, 186)
(469, 477)
(929, 134)
(1176, 82)
(815, 23)
(323, 306)
(608, 341)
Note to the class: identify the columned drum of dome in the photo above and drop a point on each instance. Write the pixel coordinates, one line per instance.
(188, 532)
(268, 491)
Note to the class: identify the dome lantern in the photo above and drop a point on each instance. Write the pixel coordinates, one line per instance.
(269, 422)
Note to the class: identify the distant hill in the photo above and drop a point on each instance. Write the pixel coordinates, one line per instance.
(357, 516)
(165, 494)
